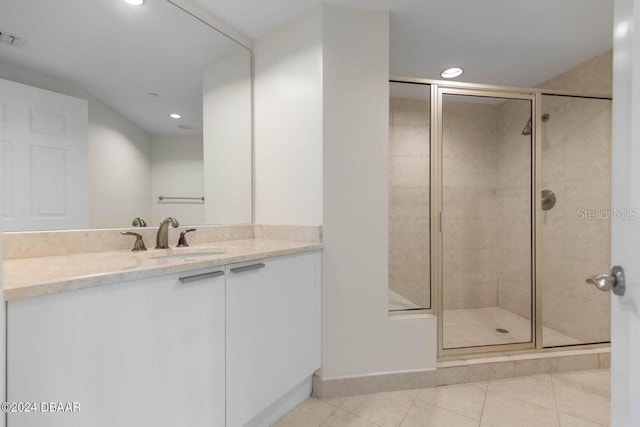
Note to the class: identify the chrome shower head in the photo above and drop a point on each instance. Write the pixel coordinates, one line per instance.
(527, 128)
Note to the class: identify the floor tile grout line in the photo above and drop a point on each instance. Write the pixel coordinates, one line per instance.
(521, 400)
(328, 416)
(555, 399)
(484, 403)
(449, 409)
(415, 399)
(572, 415)
(356, 415)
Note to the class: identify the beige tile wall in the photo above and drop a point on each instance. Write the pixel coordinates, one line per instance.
(409, 250)
(471, 213)
(514, 191)
(576, 165)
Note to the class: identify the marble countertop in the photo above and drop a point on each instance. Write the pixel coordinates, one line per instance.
(29, 277)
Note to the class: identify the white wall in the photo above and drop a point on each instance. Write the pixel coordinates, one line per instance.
(119, 156)
(288, 123)
(176, 170)
(321, 136)
(227, 139)
(119, 169)
(359, 337)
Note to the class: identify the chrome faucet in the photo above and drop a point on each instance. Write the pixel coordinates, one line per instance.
(162, 238)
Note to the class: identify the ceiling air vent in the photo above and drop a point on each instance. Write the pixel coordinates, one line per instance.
(11, 39)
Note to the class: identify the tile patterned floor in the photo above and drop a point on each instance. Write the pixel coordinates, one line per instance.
(574, 399)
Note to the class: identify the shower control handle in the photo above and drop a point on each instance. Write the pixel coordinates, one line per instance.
(613, 282)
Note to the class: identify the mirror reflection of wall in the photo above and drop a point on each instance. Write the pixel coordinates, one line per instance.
(102, 113)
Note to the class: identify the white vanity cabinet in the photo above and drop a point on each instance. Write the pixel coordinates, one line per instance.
(223, 348)
(272, 332)
(143, 353)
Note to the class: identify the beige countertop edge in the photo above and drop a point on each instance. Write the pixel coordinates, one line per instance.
(89, 281)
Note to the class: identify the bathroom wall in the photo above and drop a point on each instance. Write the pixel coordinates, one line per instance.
(227, 136)
(409, 242)
(321, 155)
(288, 67)
(177, 170)
(115, 144)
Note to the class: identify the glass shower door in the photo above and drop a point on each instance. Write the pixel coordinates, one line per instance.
(575, 231)
(486, 220)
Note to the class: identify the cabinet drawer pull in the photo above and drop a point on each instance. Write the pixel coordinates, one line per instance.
(202, 276)
(248, 268)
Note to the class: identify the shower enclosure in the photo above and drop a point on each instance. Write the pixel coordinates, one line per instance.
(499, 209)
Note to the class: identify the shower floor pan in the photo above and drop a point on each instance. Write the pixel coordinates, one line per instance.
(479, 326)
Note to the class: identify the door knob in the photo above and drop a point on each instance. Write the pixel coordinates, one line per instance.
(609, 282)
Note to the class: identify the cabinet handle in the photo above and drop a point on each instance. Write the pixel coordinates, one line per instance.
(202, 276)
(247, 268)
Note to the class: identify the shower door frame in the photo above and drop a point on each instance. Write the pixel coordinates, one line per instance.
(438, 88)
(437, 199)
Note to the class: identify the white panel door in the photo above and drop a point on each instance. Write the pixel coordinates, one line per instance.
(44, 163)
(141, 353)
(625, 310)
(270, 332)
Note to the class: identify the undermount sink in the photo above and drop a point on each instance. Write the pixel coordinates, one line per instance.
(188, 255)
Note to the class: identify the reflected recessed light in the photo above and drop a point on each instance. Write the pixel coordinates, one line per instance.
(175, 116)
(452, 73)
(134, 2)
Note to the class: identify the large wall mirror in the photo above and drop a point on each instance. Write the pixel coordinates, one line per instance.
(111, 111)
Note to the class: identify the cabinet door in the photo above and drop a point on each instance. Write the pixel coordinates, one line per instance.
(270, 332)
(140, 353)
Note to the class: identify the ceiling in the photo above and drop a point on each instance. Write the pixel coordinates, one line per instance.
(509, 42)
(120, 54)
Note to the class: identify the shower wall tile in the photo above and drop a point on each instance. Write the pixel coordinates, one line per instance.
(514, 189)
(578, 319)
(409, 234)
(471, 205)
(594, 75)
(407, 111)
(409, 239)
(461, 203)
(576, 165)
(470, 294)
(408, 266)
(409, 140)
(409, 203)
(410, 172)
(515, 297)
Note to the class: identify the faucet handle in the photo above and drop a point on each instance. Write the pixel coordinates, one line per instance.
(182, 241)
(139, 243)
(139, 222)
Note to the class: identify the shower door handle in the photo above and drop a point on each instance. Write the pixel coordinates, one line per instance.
(613, 282)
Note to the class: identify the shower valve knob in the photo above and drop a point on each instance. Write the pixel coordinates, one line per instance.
(613, 282)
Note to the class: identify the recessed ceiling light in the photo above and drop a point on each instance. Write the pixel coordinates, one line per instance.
(452, 73)
(175, 116)
(134, 2)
